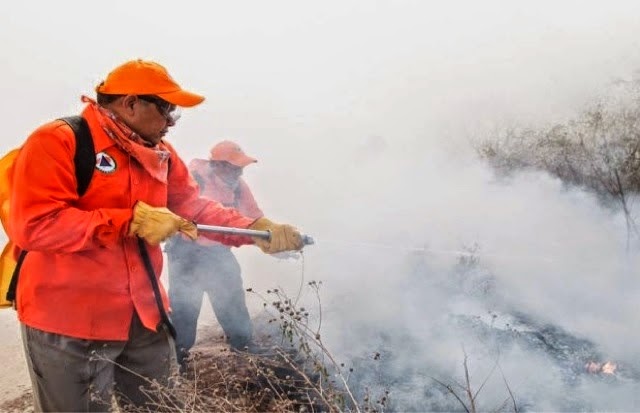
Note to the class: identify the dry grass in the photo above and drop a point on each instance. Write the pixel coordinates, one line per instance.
(226, 381)
(295, 373)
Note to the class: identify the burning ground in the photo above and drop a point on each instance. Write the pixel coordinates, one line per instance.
(531, 282)
(509, 359)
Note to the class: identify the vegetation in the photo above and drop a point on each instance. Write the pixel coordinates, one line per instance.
(293, 372)
(598, 150)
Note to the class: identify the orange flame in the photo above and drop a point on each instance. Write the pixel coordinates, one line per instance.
(601, 368)
(609, 368)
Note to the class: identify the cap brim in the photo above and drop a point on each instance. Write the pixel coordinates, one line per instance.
(182, 98)
(242, 160)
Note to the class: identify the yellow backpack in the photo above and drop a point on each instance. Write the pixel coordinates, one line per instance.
(7, 260)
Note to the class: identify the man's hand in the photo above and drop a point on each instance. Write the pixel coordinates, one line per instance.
(283, 237)
(155, 225)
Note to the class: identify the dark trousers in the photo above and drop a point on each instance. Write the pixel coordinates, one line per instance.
(75, 375)
(195, 270)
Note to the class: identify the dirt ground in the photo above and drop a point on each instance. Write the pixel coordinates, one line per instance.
(14, 378)
(13, 369)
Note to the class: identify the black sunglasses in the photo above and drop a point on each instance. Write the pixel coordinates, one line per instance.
(164, 107)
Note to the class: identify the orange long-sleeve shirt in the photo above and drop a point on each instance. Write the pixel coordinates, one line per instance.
(212, 187)
(84, 276)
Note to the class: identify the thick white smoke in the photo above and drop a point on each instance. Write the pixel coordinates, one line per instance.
(550, 253)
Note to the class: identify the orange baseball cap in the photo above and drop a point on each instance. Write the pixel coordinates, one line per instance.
(143, 77)
(230, 152)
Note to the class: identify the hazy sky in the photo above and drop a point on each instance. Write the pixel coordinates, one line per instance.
(305, 84)
(353, 68)
(360, 114)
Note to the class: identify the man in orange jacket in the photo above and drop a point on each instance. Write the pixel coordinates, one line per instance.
(91, 323)
(209, 266)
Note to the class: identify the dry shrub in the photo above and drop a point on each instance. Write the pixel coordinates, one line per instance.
(598, 150)
(226, 381)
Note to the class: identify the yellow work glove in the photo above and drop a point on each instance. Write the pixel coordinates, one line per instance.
(283, 237)
(155, 225)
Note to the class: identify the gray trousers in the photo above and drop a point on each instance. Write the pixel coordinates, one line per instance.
(194, 270)
(76, 375)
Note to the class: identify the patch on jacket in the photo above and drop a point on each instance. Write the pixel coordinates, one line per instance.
(105, 163)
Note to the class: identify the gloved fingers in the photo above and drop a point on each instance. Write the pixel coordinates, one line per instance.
(141, 207)
(278, 240)
(293, 239)
(284, 238)
(155, 225)
(163, 231)
(134, 228)
(262, 244)
(262, 224)
(188, 228)
(151, 237)
(142, 210)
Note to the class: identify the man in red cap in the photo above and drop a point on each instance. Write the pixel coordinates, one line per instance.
(209, 266)
(93, 314)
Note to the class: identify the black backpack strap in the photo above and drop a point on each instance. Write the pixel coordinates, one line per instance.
(164, 317)
(11, 292)
(84, 161)
(85, 157)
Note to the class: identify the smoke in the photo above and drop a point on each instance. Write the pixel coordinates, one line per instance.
(387, 253)
(544, 251)
(361, 116)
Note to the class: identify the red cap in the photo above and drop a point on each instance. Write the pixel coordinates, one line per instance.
(230, 152)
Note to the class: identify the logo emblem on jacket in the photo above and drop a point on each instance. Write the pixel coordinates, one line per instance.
(105, 163)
